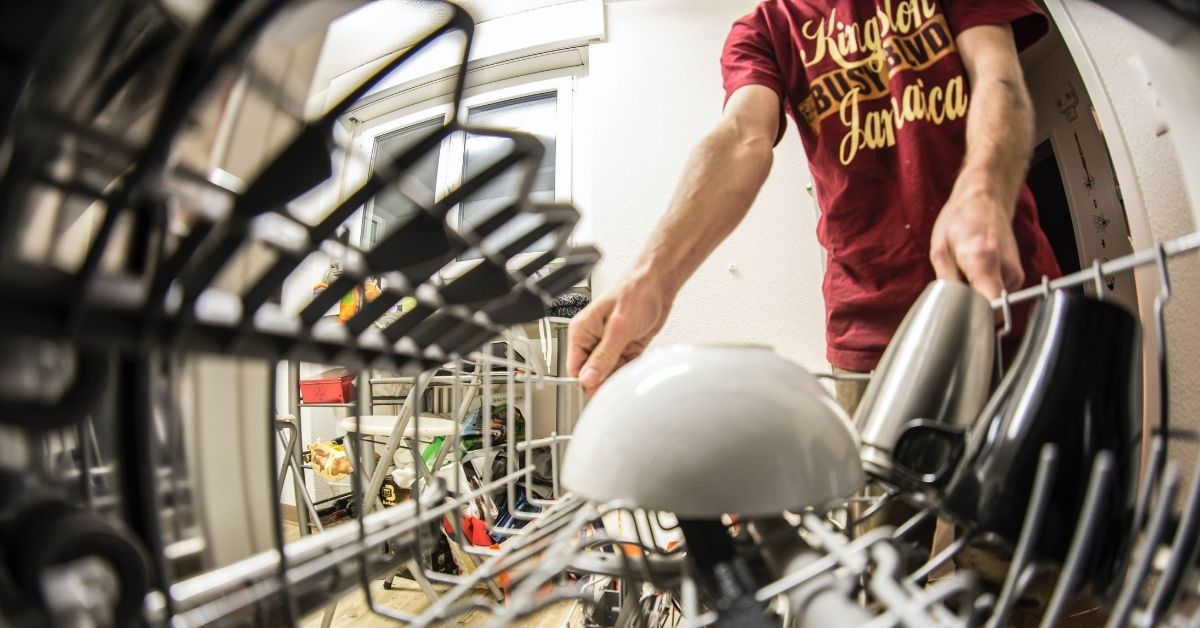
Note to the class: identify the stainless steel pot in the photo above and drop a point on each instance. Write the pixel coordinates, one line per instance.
(938, 367)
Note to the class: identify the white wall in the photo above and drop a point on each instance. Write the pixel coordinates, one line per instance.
(654, 87)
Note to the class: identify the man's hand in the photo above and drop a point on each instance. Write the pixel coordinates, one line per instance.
(614, 330)
(973, 236)
(973, 241)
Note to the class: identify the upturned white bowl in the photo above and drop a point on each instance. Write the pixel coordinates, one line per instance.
(705, 430)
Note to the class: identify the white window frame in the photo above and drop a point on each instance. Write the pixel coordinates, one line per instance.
(452, 152)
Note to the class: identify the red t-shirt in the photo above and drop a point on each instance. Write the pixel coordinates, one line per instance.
(880, 95)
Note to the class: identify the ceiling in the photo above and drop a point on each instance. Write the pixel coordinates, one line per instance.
(484, 10)
(382, 27)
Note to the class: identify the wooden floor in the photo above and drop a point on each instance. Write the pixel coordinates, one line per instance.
(405, 596)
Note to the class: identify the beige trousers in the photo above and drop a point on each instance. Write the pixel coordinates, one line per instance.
(849, 394)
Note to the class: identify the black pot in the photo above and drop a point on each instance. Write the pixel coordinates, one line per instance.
(1076, 382)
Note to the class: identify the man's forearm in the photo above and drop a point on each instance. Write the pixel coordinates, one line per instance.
(1000, 128)
(973, 238)
(721, 178)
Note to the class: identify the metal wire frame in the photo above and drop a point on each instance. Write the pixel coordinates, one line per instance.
(1019, 574)
(193, 318)
(556, 550)
(1151, 516)
(169, 310)
(173, 304)
(275, 582)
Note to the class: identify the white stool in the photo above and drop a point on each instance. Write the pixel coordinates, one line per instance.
(382, 425)
(432, 426)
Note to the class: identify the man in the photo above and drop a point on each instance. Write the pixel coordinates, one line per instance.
(918, 130)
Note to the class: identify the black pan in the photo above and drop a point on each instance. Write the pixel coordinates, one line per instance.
(1076, 383)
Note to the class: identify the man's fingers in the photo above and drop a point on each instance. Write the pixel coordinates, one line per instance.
(987, 285)
(584, 332)
(1012, 273)
(982, 271)
(579, 345)
(944, 265)
(606, 355)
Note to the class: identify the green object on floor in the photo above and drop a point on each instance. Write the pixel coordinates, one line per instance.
(430, 452)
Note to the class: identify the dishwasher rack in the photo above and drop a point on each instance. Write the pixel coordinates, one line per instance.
(98, 502)
(833, 577)
(101, 506)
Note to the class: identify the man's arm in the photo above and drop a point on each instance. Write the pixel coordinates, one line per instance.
(973, 237)
(723, 175)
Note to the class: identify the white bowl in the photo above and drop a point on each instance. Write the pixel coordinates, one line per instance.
(705, 430)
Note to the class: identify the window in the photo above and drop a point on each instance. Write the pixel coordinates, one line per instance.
(391, 208)
(536, 115)
(541, 108)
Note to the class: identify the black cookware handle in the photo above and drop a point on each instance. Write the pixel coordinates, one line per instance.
(929, 451)
(725, 576)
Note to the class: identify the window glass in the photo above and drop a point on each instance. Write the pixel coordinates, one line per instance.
(391, 208)
(537, 115)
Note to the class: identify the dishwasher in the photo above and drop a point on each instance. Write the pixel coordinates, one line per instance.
(143, 458)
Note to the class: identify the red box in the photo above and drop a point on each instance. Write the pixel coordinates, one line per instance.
(332, 386)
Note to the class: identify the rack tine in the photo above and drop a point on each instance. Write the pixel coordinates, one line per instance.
(285, 594)
(391, 252)
(142, 498)
(258, 199)
(364, 575)
(644, 571)
(1144, 554)
(491, 278)
(188, 85)
(523, 593)
(273, 278)
(1098, 492)
(637, 533)
(263, 193)
(573, 514)
(1006, 311)
(822, 564)
(1039, 502)
(1183, 553)
(921, 575)
(888, 497)
(1151, 475)
(529, 496)
(304, 163)
(510, 433)
(912, 607)
(913, 522)
(1178, 246)
(1160, 333)
(1098, 279)
(528, 300)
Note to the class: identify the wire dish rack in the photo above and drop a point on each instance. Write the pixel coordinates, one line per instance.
(109, 514)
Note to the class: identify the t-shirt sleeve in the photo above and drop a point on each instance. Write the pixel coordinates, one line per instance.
(1028, 21)
(749, 59)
